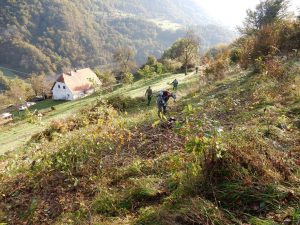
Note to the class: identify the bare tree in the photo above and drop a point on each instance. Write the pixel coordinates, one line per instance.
(124, 57)
(38, 84)
(190, 44)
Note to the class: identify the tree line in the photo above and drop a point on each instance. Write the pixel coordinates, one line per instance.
(17, 91)
(54, 36)
(183, 55)
(270, 35)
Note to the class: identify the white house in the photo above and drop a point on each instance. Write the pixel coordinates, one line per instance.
(75, 84)
(5, 118)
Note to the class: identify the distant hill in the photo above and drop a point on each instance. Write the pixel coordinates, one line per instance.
(8, 74)
(52, 35)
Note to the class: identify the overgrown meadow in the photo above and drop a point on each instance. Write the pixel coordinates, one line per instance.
(227, 152)
(230, 155)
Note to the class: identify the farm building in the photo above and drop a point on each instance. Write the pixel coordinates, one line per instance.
(6, 116)
(75, 84)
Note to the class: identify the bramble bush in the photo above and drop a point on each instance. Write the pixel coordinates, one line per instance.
(84, 118)
(122, 103)
(172, 65)
(107, 78)
(274, 68)
(147, 71)
(216, 69)
(235, 55)
(217, 62)
(271, 40)
(152, 68)
(128, 78)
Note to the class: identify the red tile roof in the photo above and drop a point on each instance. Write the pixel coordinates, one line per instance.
(79, 80)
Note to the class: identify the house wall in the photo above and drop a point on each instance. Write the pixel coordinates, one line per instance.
(61, 92)
(79, 95)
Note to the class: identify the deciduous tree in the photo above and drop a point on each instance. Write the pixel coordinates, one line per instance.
(191, 44)
(17, 90)
(265, 13)
(128, 78)
(184, 50)
(124, 57)
(107, 78)
(38, 84)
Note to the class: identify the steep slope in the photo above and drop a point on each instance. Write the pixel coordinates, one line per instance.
(230, 157)
(179, 11)
(50, 36)
(13, 137)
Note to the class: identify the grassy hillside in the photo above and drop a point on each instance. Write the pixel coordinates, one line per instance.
(7, 72)
(229, 155)
(14, 136)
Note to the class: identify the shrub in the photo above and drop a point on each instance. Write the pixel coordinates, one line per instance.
(128, 78)
(217, 69)
(259, 65)
(172, 65)
(289, 39)
(59, 126)
(246, 46)
(274, 68)
(216, 52)
(147, 71)
(104, 204)
(217, 62)
(235, 55)
(151, 68)
(107, 78)
(267, 41)
(85, 117)
(151, 61)
(159, 68)
(122, 103)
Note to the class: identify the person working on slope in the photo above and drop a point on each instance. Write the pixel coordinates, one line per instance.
(162, 101)
(175, 84)
(149, 94)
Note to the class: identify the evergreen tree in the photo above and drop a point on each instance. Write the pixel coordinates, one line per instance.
(265, 13)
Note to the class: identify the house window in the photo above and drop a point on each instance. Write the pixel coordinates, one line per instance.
(58, 86)
(64, 87)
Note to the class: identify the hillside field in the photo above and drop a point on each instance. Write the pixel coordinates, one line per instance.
(14, 136)
(227, 153)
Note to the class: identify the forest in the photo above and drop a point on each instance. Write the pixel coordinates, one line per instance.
(48, 37)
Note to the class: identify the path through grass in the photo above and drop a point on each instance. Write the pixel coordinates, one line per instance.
(14, 136)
